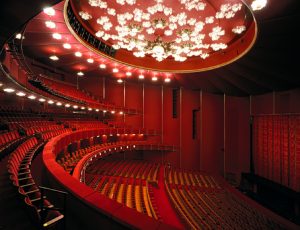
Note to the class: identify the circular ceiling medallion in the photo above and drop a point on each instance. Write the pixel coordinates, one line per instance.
(164, 35)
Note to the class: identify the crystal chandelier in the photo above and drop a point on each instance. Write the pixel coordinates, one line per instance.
(161, 30)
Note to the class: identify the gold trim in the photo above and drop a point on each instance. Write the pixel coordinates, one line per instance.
(163, 70)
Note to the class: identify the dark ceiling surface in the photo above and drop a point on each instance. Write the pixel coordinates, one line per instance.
(271, 65)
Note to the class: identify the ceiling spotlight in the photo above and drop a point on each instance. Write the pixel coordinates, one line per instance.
(113, 112)
(167, 80)
(97, 110)
(121, 112)
(32, 97)
(59, 104)
(54, 58)
(128, 74)
(19, 36)
(50, 102)
(67, 46)
(119, 80)
(102, 66)
(82, 107)
(57, 36)
(49, 10)
(50, 24)
(9, 90)
(42, 100)
(90, 109)
(75, 106)
(78, 54)
(90, 60)
(80, 73)
(258, 4)
(104, 111)
(20, 94)
(115, 70)
(154, 78)
(67, 105)
(141, 76)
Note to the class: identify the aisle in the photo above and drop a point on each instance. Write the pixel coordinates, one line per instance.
(164, 207)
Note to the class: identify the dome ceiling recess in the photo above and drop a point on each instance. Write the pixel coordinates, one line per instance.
(269, 65)
(168, 35)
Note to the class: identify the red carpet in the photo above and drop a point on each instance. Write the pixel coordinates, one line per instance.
(164, 207)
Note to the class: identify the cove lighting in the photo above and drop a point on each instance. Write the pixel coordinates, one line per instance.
(78, 54)
(54, 58)
(80, 73)
(31, 97)
(50, 24)
(21, 94)
(102, 66)
(67, 46)
(49, 10)
(42, 100)
(9, 90)
(57, 36)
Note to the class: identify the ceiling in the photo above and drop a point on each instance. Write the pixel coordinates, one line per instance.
(270, 65)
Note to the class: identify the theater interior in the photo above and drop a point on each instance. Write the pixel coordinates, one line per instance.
(149, 114)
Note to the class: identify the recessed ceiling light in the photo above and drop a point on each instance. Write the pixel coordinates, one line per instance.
(128, 74)
(20, 94)
(54, 58)
(67, 46)
(42, 100)
(80, 73)
(32, 97)
(154, 78)
(119, 80)
(67, 105)
(49, 10)
(115, 70)
(167, 80)
(90, 60)
(19, 36)
(78, 54)
(141, 76)
(57, 36)
(59, 104)
(102, 66)
(50, 24)
(9, 90)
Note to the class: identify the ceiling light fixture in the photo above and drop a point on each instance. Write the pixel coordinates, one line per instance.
(258, 4)
(42, 100)
(31, 97)
(75, 106)
(9, 90)
(21, 94)
(167, 80)
(83, 108)
(141, 76)
(19, 36)
(67, 46)
(90, 109)
(50, 24)
(120, 81)
(54, 58)
(49, 10)
(102, 66)
(59, 104)
(50, 102)
(67, 105)
(128, 74)
(78, 54)
(154, 78)
(90, 60)
(57, 36)
(80, 73)
(115, 70)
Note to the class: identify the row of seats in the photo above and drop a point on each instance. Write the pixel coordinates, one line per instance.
(190, 178)
(8, 137)
(49, 134)
(126, 168)
(215, 208)
(20, 174)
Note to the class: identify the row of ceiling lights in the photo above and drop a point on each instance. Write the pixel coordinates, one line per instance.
(19, 93)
